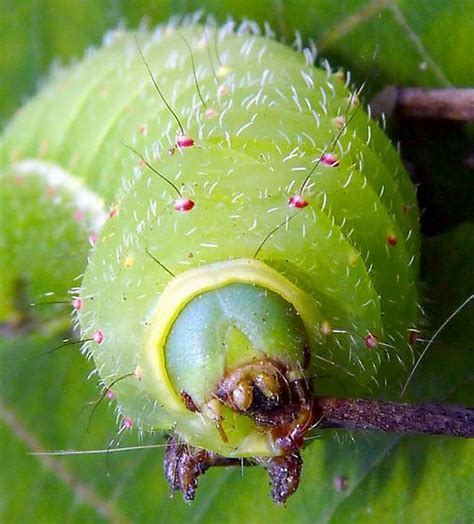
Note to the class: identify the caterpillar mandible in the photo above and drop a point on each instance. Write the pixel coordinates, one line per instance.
(253, 230)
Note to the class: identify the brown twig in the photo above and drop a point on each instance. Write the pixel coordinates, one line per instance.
(376, 415)
(430, 419)
(184, 464)
(416, 102)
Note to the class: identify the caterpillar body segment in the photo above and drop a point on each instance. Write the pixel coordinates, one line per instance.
(261, 232)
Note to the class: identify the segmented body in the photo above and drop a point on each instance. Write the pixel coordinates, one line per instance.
(277, 171)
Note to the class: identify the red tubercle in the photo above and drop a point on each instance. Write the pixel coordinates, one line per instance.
(183, 205)
(77, 303)
(329, 159)
(98, 337)
(412, 336)
(297, 201)
(392, 240)
(184, 141)
(371, 341)
(143, 130)
(114, 211)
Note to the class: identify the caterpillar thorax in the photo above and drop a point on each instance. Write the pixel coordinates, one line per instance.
(262, 232)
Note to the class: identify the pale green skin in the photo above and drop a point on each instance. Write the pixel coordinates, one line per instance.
(45, 220)
(335, 250)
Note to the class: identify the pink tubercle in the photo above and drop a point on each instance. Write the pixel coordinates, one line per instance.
(297, 201)
(98, 337)
(127, 423)
(93, 237)
(143, 130)
(77, 303)
(210, 113)
(183, 205)
(329, 159)
(78, 216)
(184, 141)
(110, 394)
(371, 341)
(138, 373)
(222, 90)
(340, 483)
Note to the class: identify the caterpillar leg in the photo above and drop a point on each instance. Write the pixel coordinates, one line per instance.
(281, 405)
(183, 464)
(284, 473)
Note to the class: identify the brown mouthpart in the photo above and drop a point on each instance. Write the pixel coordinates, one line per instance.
(278, 399)
(280, 402)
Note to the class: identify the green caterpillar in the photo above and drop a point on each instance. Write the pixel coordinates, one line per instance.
(261, 232)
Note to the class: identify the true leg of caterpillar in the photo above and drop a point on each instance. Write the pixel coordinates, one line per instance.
(261, 391)
(183, 465)
(284, 473)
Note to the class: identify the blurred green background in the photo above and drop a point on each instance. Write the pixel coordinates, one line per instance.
(44, 399)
